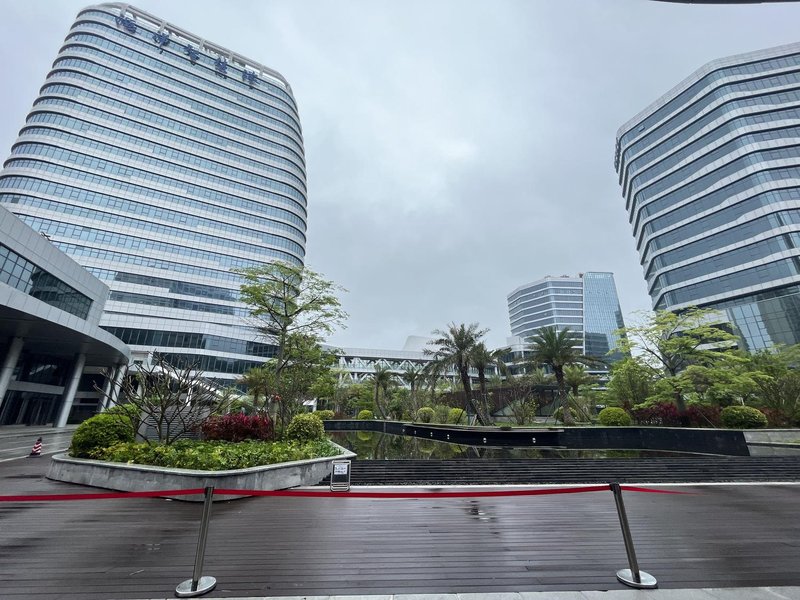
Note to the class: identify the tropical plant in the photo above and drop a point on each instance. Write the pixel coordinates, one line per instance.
(556, 349)
(238, 427)
(576, 376)
(258, 381)
(413, 376)
(382, 379)
(454, 347)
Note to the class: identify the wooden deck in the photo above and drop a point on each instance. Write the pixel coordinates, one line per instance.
(726, 536)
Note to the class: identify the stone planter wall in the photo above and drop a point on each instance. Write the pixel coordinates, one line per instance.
(140, 478)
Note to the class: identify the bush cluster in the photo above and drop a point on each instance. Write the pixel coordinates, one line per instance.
(614, 417)
(425, 414)
(365, 415)
(99, 432)
(325, 414)
(743, 417)
(238, 427)
(217, 455)
(305, 427)
(456, 416)
(440, 413)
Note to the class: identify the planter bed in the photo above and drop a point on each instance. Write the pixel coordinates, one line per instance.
(126, 477)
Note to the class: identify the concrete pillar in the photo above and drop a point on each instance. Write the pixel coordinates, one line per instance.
(9, 362)
(116, 382)
(70, 389)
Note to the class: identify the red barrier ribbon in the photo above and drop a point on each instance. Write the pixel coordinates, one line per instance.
(327, 494)
(102, 496)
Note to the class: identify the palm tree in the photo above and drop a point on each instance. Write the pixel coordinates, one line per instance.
(482, 358)
(575, 376)
(382, 378)
(454, 347)
(556, 349)
(257, 380)
(413, 376)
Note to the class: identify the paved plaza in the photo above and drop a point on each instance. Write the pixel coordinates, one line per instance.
(722, 536)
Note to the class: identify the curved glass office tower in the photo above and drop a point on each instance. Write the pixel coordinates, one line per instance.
(586, 304)
(711, 177)
(160, 162)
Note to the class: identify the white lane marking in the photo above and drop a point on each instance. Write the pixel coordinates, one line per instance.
(2, 460)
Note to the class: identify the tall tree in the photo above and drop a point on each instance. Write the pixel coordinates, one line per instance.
(454, 347)
(481, 358)
(556, 349)
(670, 342)
(382, 378)
(286, 299)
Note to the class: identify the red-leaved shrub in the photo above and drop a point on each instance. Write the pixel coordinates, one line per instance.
(665, 414)
(777, 418)
(238, 427)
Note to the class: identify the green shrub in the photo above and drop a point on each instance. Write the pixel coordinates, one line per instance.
(505, 427)
(325, 414)
(456, 416)
(425, 414)
(100, 431)
(614, 417)
(743, 417)
(559, 411)
(217, 455)
(441, 412)
(365, 415)
(305, 427)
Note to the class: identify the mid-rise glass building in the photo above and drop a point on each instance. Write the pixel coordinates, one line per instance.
(161, 162)
(587, 304)
(710, 173)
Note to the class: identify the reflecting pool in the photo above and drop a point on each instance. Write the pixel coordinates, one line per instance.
(373, 445)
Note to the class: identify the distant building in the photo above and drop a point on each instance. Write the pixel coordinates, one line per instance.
(52, 351)
(161, 162)
(586, 304)
(710, 173)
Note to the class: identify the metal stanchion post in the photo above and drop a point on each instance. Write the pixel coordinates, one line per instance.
(199, 585)
(633, 576)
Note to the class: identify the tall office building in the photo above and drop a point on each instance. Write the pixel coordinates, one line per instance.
(711, 177)
(586, 304)
(160, 162)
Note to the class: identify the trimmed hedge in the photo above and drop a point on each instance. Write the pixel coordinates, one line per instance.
(365, 415)
(743, 417)
(425, 414)
(614, 417)
(99, 432)
(456, 416)
(305, 427)
(325, 414)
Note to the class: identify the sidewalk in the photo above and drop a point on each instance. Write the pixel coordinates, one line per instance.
(761, 593)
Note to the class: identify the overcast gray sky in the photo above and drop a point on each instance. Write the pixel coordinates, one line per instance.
(456, 149)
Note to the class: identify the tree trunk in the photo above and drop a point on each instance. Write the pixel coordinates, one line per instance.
(566, 416)
(377, 401)
(484, 400)
(468, 393)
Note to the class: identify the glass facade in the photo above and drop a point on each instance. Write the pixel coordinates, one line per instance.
(711, 178)
(587, 304)
(23, 275)
(160, 162)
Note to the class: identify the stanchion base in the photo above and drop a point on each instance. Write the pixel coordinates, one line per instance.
(646, 582)
(204, 585)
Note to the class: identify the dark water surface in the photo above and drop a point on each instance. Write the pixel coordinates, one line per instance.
(372, 445)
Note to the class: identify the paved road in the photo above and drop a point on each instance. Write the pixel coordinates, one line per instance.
(725, 536)
(16, 441)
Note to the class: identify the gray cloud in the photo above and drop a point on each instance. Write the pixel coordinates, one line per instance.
(455, 149)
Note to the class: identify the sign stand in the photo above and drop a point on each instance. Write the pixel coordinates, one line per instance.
(340, 476)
